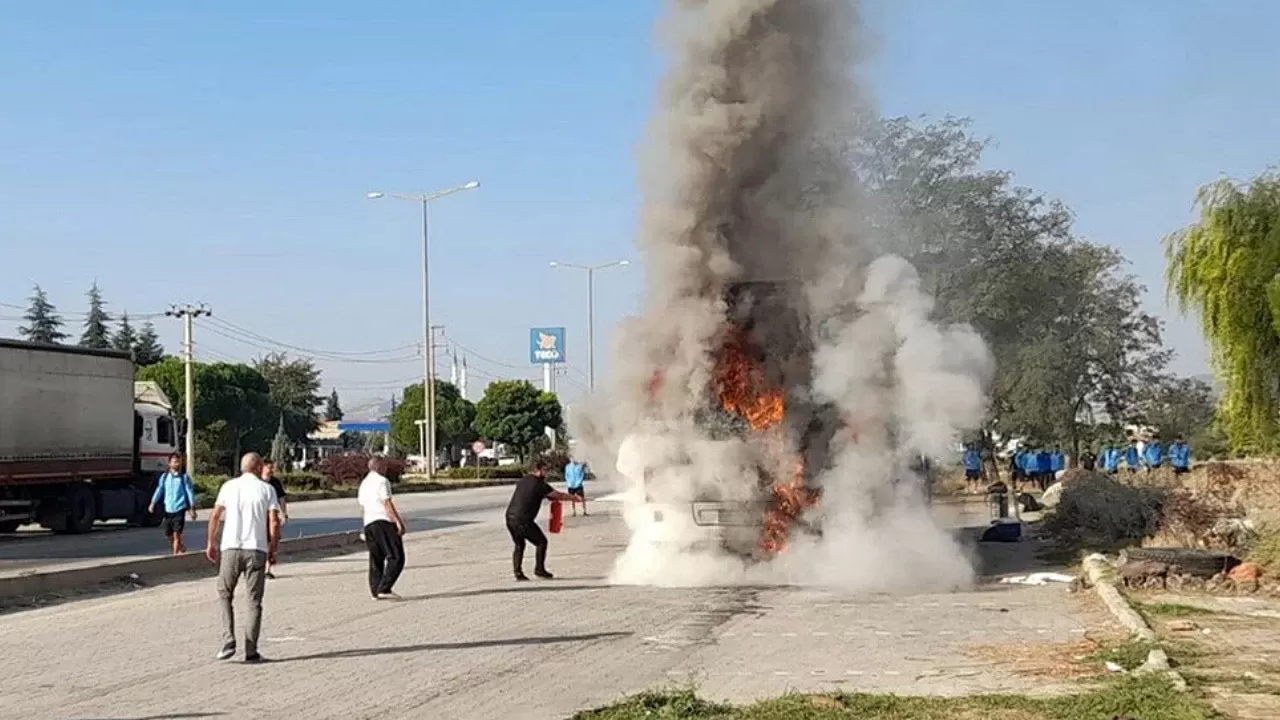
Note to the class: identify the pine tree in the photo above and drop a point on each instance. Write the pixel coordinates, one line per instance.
(332, 410)
(125, 339)
(96, 333)
(147, 350)
(280, 447)
(44, 325)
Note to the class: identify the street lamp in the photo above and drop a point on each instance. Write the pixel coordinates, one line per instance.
(428, 379)
(591, 310)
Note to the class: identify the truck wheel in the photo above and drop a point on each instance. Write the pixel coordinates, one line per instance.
(11, 526)
(82, 509)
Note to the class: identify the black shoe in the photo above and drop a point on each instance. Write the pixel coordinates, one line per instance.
(254, 659)
(227, 652)
(271, 575)
(544, 574)
(521, 577)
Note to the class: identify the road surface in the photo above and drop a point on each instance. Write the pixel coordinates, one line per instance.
(468, 642)
(26, 552)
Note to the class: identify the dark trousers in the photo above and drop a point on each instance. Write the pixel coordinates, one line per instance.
(386, 555)
(522, 533)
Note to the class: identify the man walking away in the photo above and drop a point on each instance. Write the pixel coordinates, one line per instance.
(383, 531)
(269, 476)
(1111, 460)
(1180, 456)
(972, 467)
(575, 473)
(179, 495)
(250, 536)
(522, 513)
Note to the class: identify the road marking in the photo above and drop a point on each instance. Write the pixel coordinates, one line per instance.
(946, 632)
(855, 673)
(782, 673)
(892, 673)
(820, 634)
(788, 634)
(817, 673)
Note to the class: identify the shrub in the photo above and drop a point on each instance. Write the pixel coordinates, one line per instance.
(1099, 513)
(505, 472)
(304, 480)
(349, 468)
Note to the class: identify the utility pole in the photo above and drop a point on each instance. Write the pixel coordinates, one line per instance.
(189, 313)
(430, 400)
(591, 311)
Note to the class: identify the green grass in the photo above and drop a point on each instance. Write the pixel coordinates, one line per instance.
(1148, 698)
(1172, 610)
(1129, 655)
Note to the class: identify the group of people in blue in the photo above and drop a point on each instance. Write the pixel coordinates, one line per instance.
(1040, 465)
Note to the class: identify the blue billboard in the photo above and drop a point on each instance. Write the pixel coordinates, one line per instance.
(546, 345)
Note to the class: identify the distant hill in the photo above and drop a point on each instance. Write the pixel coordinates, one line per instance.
(368, 410)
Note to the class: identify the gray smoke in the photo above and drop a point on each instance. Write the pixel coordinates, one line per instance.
(746, 181)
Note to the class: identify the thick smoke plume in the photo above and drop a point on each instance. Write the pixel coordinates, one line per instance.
(745, 181)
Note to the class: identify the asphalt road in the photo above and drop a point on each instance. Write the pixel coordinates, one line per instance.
(25, 552)
(468, 642)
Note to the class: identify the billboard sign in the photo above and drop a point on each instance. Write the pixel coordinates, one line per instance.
(546, 345)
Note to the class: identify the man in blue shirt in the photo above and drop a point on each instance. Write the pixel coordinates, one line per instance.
(1132, 459)
(1057, 461)
(575, 473)
(972, 460)
(1111, 460)
(179, 495)
(1044, 467)
(1180, 456)
(1153, 454)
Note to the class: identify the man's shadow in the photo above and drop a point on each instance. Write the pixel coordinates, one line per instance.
(472, 645)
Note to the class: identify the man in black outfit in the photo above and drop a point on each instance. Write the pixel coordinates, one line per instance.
(522, 515)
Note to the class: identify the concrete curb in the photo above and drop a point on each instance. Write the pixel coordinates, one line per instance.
(1098, 572)
(43, 583)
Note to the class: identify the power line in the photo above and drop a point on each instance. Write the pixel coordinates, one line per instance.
(232, 327)
(272, 346)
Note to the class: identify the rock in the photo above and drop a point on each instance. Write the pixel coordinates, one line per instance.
(1144, 573)
(1052, 495)
(1181, 626)
(1248, 572)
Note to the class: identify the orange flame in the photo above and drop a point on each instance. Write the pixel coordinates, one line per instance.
(744, 390)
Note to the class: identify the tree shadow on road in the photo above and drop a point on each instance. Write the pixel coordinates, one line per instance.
(170, 716)
(472, 645)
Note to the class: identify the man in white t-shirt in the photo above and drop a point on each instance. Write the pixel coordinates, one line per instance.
(383, 531)
(248, 515)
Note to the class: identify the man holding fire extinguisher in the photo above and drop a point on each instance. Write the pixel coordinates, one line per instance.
(522, 514)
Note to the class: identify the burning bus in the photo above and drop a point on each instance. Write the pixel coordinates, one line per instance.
(743, 476)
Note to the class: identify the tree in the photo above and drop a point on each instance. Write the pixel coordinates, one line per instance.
(126, 338)
(44, 325)
(147, 350)
(332, 410)
(295, 392)
(1179, 406)
(1061, 317)
(516, 413)
(97, 332)
(1225, 268)
(454, 417)
(233, 408)
(280, 447)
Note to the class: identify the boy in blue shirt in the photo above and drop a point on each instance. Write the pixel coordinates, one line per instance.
(1044, 467)
(1180, 456)
(1111, 460)
(179, 495)
(1132, 459)
(1153, 454)
(1057, 461)
(574, 475)
(972, 467)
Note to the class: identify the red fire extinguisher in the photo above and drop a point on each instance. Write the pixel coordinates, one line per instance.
(557, 516)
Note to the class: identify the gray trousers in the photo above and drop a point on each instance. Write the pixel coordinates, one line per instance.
(253, 565)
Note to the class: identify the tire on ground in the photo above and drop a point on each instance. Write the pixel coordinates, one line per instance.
(1200, 563)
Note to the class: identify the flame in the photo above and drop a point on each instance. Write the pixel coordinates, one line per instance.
(744, 390)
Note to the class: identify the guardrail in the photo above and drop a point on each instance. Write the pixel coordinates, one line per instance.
(43, 583)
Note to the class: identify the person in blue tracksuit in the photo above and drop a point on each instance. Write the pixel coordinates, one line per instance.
(1153, 454)
(176, 494)
(1132, 458)
(1111, 460)
(1044, 464)
(972, 460)
(1180, 456)
(1057, 461)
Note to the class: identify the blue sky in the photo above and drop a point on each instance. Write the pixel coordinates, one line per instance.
(221, 152)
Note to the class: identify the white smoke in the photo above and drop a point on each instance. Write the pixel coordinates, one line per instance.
(743, 183)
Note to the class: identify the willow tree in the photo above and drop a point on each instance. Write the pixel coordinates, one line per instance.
(1225, 268)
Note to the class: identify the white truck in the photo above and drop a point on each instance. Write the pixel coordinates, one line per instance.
(80, 441)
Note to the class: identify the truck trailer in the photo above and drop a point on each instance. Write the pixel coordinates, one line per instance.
(80, 441)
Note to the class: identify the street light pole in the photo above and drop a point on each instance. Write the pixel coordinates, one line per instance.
(591, 311)
(428, 380)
